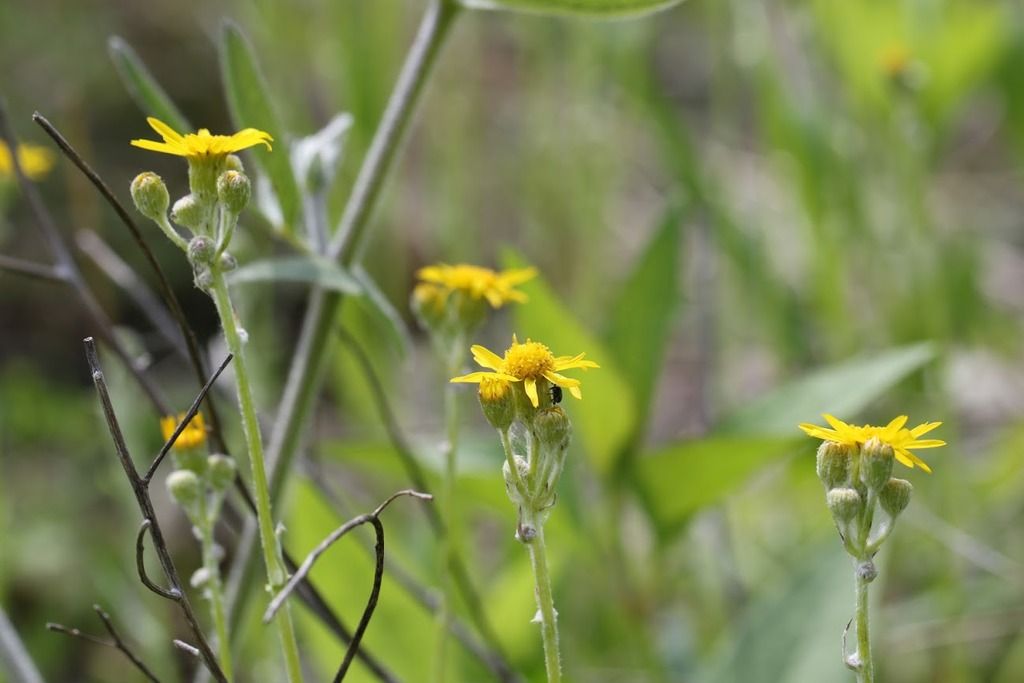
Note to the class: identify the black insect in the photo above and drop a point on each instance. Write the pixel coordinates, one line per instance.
(556, 394)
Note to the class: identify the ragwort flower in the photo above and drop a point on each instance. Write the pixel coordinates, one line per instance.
(202, 144)
(529, 363)
(895, 434)
(35, 161)
(476, 282)
(192, 436)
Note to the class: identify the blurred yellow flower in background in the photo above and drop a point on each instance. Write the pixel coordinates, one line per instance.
(441, 280)
(193, 435)
(35, 161)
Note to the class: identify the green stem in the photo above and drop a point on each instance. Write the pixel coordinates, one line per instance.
(506, 444)
(546, 605)
(254, 442)
(214, 588)
(450, 510)
(866, 670)
(172, 234)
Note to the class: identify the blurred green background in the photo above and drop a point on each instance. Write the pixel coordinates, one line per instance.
(748, 211)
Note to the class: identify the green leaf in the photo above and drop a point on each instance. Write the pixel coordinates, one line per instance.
(377, 304)
(252, 107)
(792, 634)
(642, 314)
(306, 269)
(587, 8)
(677, 481)
(142, 86)
(843, 389)
(606, 417)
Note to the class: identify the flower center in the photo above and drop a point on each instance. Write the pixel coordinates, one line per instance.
(528, 361)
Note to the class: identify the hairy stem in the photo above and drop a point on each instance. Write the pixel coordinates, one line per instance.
(250, 426)
(866, 672)
(546, 606)
(214, 589)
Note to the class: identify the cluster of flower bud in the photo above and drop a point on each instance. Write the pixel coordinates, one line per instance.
(856, 477)
(200, 483)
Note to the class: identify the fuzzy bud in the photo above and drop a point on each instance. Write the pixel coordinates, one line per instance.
(203, 279)
(150, 196)
(513, 491)
(553, 428)
(227, 262)
(834, 464)
(233, 190)
(895, 496)
(222, 471)
(189, 212)
(867, 571)
(876, 463)
(496, 401)
(233, 162)
(185, 487)
(200, 250)
(845, 504)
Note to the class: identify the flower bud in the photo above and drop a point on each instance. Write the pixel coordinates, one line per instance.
(200, 578)
(895, 496)
(834, 464)
(227, 262)
(150, 196)
(428, 304)
(867, 571)
(203, 279)
(189, 212)
(513, 491)
(876, 463)
(185, 487)
(553, 428)
(222, 471)
(200, 250)
(233, 190)
(496, 401)
(845, 504)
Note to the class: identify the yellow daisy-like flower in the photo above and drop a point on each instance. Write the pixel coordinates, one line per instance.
(202, 144)
(895, 434)
(193, 435)
(527, 363)
(35, 161)
(894, 59)
(476, 282)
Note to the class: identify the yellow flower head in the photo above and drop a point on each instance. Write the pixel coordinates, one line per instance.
(527, 363)
(35, 161)
(894, 59)
(895, 434)
(202, 144)
(477, 282)
(193, 435)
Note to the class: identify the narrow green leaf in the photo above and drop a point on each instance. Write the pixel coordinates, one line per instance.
(843, 389)
(605, 9)
(679, 480)
(143, 87)
(252, 107)
(304, 269)
(380, 308)
(606, 417)
(642, 314)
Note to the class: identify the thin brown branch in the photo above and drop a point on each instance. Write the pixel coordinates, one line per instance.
(148, 513)
(117, 642)
(378, 574)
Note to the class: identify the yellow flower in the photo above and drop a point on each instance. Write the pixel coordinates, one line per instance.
(894, 59)
(193, 435)
(527, 363)
(35, 161)
(201, 144)
(476, 282)
(895, 434)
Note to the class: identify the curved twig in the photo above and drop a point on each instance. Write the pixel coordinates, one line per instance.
(140, 563)
(117, 643)
(378, 574)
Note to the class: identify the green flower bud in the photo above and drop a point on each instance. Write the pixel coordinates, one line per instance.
(185, 487)
(834, 464)
(233, 190)
(428, 304)
(189, 212)
(876, 463)
(845, 504)
(895, 496)
(496, 401)
(222, 471)
(200, 250)
(233, 162)
(227, 262)
(203, 279)
(553, 428)
(150, 196)
(523, 469)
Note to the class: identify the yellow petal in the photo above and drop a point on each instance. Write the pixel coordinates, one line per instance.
(576, 393)
(165, 147)
(165, 131)
(486, 358)
(897, 423)
(561, 380)
(531, 390)
(923, 429)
